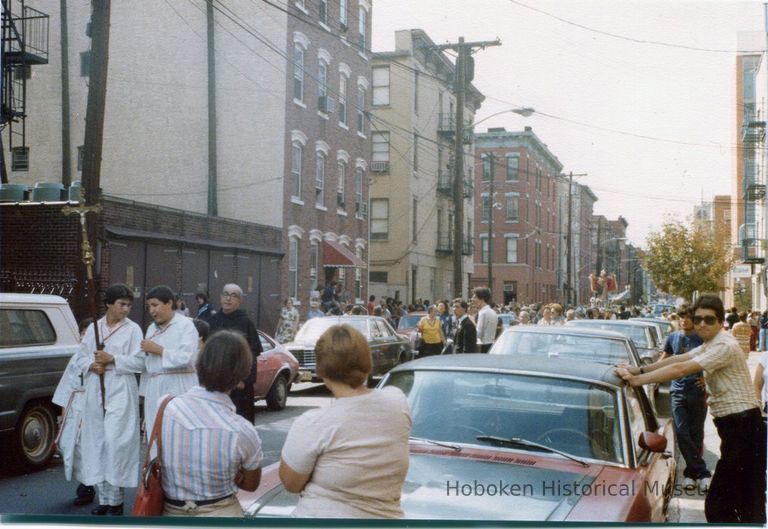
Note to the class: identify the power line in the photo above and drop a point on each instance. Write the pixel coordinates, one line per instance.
(630, 39)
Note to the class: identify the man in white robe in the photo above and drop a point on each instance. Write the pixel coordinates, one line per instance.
(169, 354)
(110, 427)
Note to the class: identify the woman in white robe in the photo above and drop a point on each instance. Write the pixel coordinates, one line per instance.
(110, 435)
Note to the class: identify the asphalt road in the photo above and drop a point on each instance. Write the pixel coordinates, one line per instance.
(48, 492)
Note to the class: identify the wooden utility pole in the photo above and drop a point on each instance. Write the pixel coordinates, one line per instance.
(97, 96)
(491, 157)
(463, 62)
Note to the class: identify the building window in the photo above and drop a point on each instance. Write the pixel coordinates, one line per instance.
(296, 154)
(80, 157)
(343, 17)
(85, 64)
(20, 159)
(513, 168)
(298, 72)
(415, 220)
(485, 207)
(343, 98)
(378, 277)
(319, 179)
(323, 11)
(484, 248)
(380, 78)
(511, 249)
(415, 152)
(513, 207)
(300, 3)
(359, 193)
(361, 110)
(314, 262)
(362, 28)
(538, 254)
(379, 219)
(293, 267)
(487, 168)
(380, 148)
(340, 203)
(322, 87)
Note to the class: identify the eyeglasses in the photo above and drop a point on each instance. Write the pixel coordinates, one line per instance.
(708, 320)
(230, 295)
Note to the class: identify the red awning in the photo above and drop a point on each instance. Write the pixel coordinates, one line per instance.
(336, 255)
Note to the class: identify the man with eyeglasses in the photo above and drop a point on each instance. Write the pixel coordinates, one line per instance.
(737, 491)
(231, 317)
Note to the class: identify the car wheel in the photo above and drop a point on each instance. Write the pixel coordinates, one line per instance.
(34, 435)
(278, 394)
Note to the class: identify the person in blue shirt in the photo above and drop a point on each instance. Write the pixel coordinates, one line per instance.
(689, 405)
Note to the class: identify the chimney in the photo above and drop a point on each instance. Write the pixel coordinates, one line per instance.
(497, 129)
(528, 128)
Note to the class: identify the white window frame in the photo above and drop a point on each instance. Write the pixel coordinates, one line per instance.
(380, 86)
(293, 267)
(320, 159)
(296, 171)
(516, 177)
(359, 192)
(511, 244)
(378, 139)
(299, 58)
(361, 110)
(380, 222)
(341, 202)
(515, 198)
(343, 84)
(343, 14)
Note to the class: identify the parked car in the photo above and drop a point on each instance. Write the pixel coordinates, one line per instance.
(665, 327)
(508, 320)
(407, 327)
(643, 333)
(38, 336)
(387, 347)
(593, 345)
(571, 441)
(277, 370)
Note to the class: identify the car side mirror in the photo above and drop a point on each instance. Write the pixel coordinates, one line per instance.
(653, 442)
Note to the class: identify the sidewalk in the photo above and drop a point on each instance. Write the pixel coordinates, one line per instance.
(690, 508)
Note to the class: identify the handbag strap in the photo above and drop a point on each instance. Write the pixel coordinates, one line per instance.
(156, 435)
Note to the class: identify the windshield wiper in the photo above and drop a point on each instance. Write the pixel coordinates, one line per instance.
(518, 441)
(436, 443)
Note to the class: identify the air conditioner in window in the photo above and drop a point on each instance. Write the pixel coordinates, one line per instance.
(380, 166)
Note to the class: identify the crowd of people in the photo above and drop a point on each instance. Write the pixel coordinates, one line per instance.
(354, 462)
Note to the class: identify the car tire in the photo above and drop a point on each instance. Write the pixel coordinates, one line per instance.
(277, 398)
(34, 435)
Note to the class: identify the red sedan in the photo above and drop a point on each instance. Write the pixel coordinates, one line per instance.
(277, 370)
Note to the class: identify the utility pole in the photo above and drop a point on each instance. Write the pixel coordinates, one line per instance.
(491, 157)
(569, 243)
(97, 96)
(463, 63)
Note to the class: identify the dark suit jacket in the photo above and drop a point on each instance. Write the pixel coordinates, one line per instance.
(466, 337)
(240, 322)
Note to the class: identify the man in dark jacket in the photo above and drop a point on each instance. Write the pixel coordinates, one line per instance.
(233, 318)
(465, 340)
(205, 309)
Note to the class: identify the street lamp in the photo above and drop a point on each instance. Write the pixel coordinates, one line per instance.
(523, 111)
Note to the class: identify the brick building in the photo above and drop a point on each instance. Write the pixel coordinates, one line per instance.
(327, 146)
(525, 223)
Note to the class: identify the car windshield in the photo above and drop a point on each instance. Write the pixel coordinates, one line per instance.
(458, 406)
(592, 348)
(635, 332)
(314, 328)
(409, 322)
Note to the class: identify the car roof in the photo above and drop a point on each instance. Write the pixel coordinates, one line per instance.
(634, 323)
(560, 367)
(652, 320)
(569, 330)
(11, 297)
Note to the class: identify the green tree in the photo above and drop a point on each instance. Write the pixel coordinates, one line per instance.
(686, 257)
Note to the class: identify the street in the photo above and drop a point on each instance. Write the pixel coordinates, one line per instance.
(48, 492)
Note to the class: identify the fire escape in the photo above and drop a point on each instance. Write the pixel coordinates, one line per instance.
(753, 186)
(25, 44)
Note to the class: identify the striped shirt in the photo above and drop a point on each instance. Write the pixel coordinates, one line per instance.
(204, 445)
(725, 370)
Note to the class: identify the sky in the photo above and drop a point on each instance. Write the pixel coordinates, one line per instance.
(651, 121)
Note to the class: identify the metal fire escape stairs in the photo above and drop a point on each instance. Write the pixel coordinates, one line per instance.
(24, 44)
(753, 186)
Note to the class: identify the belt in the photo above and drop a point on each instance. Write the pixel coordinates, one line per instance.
(740, 415)
(199, 503)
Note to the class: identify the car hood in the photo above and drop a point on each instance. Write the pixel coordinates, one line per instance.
(299, 345)
(461, 488)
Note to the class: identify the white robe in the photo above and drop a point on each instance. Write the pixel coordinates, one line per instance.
(110, 441)
(171, 373)
(70, 395)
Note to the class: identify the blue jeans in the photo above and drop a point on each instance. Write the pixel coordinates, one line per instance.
(762, 337)
(689, 410)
